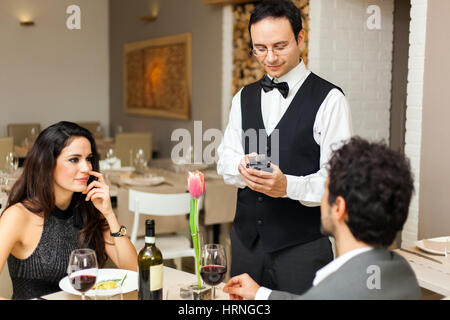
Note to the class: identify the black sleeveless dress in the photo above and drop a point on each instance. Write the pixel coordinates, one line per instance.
(40, 273)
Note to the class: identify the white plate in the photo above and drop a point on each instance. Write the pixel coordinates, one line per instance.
(150, 181)
(130, 283)
(120, 170)
(421, 244)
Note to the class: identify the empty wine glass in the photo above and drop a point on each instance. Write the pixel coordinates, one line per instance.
(11, 164)
(213, 265)
(98, 132)
(33, 135)
(82, 270)
(110, 158)
(140, 162)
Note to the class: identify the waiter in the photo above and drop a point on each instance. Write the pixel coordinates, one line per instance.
(276, 236)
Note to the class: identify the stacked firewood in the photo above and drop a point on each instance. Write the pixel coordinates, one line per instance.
(246, 68)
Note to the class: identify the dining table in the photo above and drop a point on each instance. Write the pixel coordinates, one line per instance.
(432, 270)
(219, 201)
(173, 281)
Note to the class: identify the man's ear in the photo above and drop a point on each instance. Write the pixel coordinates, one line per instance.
(340, 209)
(301, 38)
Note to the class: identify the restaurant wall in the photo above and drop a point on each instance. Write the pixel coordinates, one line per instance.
(434, 203)
(204, 22)
(358, 59)
(48, 72)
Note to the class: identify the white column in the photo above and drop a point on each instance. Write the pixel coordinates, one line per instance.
(414, 104)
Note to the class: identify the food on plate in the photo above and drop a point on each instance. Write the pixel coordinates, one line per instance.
(107, 284)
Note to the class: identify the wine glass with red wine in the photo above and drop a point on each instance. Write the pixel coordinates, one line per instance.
(214, 265)
(82, 270)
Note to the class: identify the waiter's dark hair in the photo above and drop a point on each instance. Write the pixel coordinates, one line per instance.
(277, 9)
(34, 188)
(376, 184)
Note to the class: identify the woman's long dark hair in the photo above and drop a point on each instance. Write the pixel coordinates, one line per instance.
(34, 188)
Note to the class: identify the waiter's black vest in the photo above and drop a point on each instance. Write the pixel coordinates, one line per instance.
(282, 222)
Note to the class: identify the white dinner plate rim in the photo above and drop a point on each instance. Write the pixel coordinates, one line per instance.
(153, 181)
(122, 169)
(421, 245)
(129, 285)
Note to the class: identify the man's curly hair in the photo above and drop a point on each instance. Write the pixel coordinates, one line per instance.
(376, 184)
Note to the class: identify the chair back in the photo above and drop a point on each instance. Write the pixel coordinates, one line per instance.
(22, 131)
(94, 128)
(157, 204)
(126, 142)
(6, 146)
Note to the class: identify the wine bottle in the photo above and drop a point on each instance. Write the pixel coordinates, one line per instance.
(150, 264)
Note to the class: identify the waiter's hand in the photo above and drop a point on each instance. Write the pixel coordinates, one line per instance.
(272, 184)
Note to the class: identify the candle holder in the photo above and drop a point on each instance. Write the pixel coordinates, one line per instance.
(191, 292)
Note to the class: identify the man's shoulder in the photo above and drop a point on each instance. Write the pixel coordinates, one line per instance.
(375, 274)
(323, 84)
(251, 86)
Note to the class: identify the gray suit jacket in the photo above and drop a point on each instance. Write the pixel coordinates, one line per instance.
(377, 274)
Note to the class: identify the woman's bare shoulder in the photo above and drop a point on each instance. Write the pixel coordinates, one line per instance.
(17, 214)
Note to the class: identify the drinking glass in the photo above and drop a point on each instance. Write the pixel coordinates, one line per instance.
(140, 162)
(82, 270)
(213, 265)
(98, 132)
(110, 158)
(11, 164)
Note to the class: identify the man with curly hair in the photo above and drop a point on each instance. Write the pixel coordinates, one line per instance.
(366, 202)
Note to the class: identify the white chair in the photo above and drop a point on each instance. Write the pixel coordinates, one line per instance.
(156, 204)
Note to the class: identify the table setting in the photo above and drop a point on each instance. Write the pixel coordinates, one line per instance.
(85, 281)
(430, 260)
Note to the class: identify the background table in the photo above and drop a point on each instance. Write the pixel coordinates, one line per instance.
(219, 201)
(430, 275)
(173, 279)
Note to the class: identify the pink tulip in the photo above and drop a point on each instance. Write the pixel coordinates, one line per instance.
(196, 184)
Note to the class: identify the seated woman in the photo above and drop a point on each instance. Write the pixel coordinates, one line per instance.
(60, 203)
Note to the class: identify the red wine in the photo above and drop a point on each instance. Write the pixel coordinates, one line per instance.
(213, 275)
(83, 283)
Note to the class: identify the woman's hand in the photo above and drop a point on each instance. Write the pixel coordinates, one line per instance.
(98, 193)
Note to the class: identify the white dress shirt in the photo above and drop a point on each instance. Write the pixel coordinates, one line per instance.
(263, 293)
(332, 125)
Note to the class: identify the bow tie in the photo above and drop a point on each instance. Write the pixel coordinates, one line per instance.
(269, 85)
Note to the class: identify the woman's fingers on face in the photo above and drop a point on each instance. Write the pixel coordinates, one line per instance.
(92, 185)
(93, 192)
(97, 175)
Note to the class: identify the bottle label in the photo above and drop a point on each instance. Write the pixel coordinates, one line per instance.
(156, 277)
(149, 239)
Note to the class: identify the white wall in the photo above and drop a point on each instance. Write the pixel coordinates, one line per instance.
(344, 51)
(49, 73)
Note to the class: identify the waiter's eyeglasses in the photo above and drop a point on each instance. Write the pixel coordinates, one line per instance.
(263, 51)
